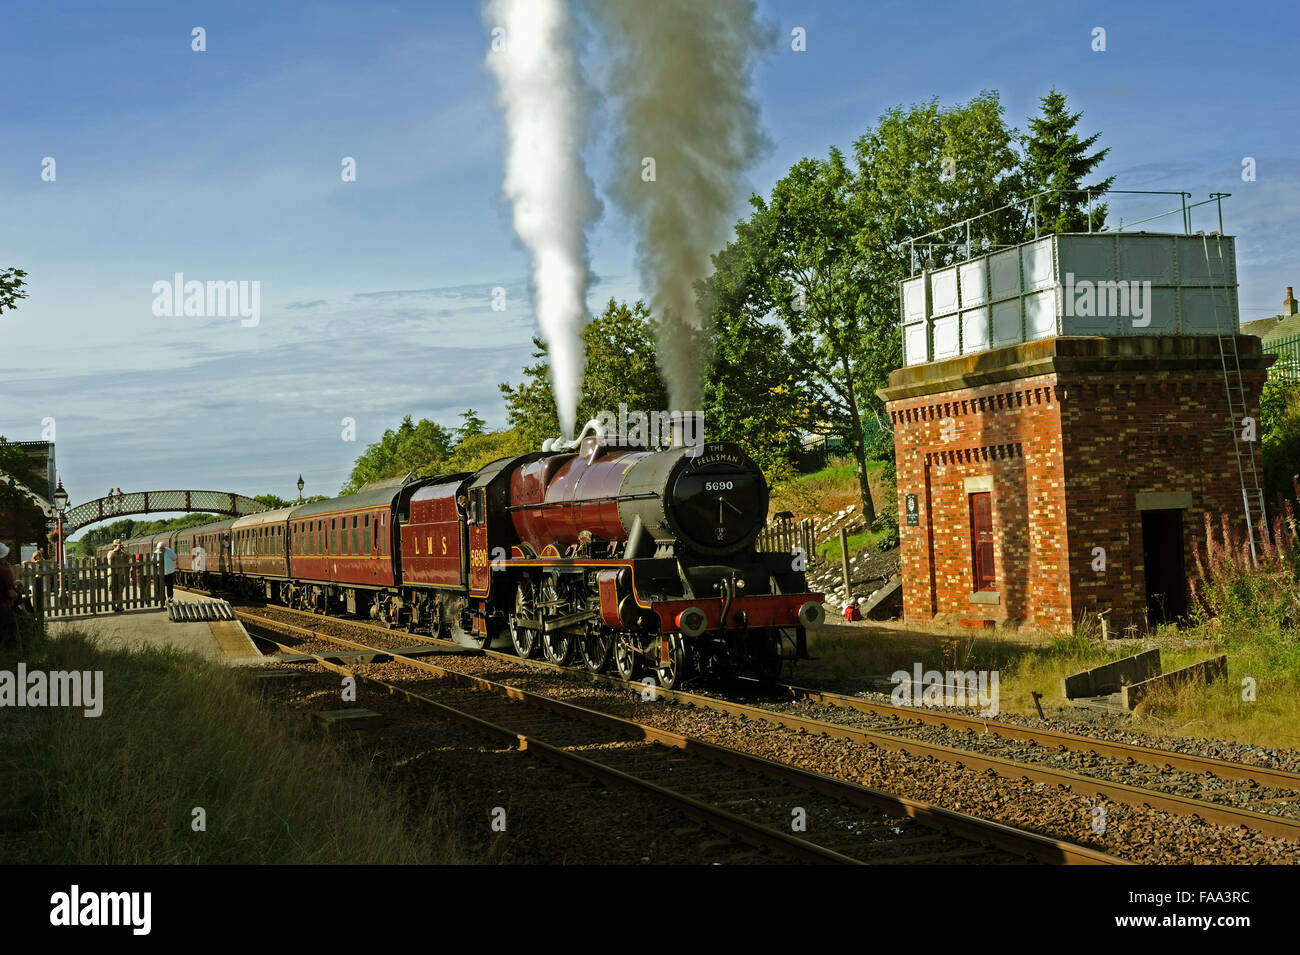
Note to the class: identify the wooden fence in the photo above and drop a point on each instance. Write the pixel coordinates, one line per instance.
(90, 585)
(783, 536)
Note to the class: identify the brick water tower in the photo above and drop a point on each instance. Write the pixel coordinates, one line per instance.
(1068, 410)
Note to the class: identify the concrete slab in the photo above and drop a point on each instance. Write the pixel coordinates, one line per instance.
(142, 628)
(224, 641)
(887, 602)
(1111, 677)
(353, 719)
(1204, 672)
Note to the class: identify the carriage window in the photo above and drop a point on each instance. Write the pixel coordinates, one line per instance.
(365, 537)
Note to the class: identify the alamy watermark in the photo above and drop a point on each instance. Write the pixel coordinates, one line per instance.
(640, 428)
(1108, 299)
(83, 688)
(75, 907)
(208, 300)
(974, 688)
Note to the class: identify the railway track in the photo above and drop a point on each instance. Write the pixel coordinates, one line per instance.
(979, 743)
(802, 815)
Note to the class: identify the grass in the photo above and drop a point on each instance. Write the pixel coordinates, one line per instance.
(828, 490)
(848, 656)
(178, 733)
(830, 549)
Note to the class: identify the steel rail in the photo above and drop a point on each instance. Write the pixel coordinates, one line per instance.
(1132, 752)
(1042, 848)
(1148, 755)
(1084, 785)
(720, 819)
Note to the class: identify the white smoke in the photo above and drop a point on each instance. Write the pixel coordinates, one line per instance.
(547, 107)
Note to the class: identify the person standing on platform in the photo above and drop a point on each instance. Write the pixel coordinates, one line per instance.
(117, 571)
(168, 557)
(8, 596)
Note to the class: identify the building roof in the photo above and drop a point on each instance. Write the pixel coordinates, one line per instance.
(1260, 326)
(1287, 328)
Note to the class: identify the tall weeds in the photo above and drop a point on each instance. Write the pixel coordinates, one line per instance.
(1256, 594)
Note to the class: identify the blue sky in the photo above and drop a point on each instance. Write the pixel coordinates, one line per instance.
(225, 165)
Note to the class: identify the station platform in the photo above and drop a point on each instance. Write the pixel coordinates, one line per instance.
(222, 641)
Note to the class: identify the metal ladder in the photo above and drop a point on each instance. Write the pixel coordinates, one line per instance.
(1252, 495)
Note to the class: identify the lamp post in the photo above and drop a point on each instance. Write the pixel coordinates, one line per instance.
(300, 486)
(60, 505)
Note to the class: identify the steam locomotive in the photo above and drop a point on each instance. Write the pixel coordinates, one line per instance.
(600, 551)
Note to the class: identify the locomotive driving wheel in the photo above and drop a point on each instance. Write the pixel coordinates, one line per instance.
(597, 648)
(527, 640)
(559, 646)
(765, 655)
(627, 657)
(673, 670)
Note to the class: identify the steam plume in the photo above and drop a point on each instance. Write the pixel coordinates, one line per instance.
(682, 80)
(547, 105)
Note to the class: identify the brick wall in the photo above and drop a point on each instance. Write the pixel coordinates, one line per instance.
(1011, 433)
(1068, 451)
(1153, 432)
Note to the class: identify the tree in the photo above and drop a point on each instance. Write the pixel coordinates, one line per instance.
(824, 255)
(418, 448)
(1056, 158)
(753, 387)
(11, 288)
(480, 449)
(621, 367)
(22, 521)
(1279, 427)
(471, 425)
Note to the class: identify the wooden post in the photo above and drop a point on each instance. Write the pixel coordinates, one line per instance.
(844, 562)
(38, 596)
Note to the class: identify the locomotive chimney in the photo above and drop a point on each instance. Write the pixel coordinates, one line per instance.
(686, 429)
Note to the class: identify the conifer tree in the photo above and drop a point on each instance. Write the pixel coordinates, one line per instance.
(1056, 158)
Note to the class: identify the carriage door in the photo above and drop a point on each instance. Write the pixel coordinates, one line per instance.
(479, 569)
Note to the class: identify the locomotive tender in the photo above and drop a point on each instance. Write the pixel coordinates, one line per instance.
(602, 551)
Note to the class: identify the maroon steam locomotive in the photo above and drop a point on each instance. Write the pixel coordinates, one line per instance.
(644, 558)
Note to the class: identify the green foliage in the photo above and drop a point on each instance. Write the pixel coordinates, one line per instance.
(274, 502)
(886, 523)
(1279, 425)
(126, 528)
(420, 448)
(1056, 158)
(620, 367)
(753, 391)
(21, 518)
(472, 426)
(11, 288)
(530, 406)
(805, 298)
(925, 168)
(1245, 595)
(474, 452)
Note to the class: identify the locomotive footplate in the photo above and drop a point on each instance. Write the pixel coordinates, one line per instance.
(756, 612)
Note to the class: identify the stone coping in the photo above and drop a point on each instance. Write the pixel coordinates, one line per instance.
(1072, 354)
